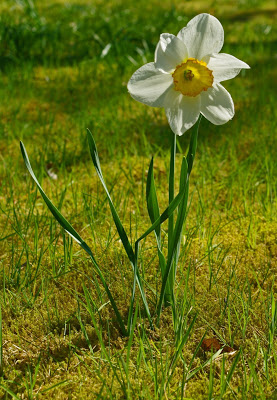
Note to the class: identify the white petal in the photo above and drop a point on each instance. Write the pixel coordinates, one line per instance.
(203, 35)
(217, 105)
(182, 111)
(224, 66)
(170, 52)
(149, 85)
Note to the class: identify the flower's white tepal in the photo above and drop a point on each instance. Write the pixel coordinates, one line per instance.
(185, 77)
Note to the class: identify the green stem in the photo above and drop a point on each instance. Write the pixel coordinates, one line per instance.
(171, 181)
(174, 236)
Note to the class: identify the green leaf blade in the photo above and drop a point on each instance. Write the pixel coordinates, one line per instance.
(133, 257)
(120, 229)
(71, 231)
(56, 213)
(152, 200)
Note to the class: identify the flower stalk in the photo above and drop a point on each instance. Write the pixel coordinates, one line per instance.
(174, 247)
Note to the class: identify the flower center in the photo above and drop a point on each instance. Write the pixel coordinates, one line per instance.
(192, 77)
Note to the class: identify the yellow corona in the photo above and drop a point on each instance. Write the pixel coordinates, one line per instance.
(192, 77)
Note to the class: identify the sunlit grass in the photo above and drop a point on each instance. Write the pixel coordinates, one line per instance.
(59, 336)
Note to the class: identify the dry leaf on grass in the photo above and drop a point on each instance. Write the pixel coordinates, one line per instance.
(215, 345)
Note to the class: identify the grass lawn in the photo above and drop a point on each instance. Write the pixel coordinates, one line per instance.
(64, 67)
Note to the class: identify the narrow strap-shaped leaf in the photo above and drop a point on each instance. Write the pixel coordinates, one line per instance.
(71, 231)
(183, 183)
(119, 226)
(152, 200)
(56, 213)
(193, 145)
(142, 292)
(164, 216)
(168, 211)
(172, 206)
(162, 261)
(121, 231)
(154, 212)
(131, 306)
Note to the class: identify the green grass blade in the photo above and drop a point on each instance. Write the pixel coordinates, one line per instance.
(55, 386)
(12, 394)
(230, 373)
(180, 348)
(211, 382)
(1, 344)
(71, 231)
(256, 379)
(196, 370)
(98, 332)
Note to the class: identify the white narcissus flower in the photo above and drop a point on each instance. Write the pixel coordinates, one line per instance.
(185, 77)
